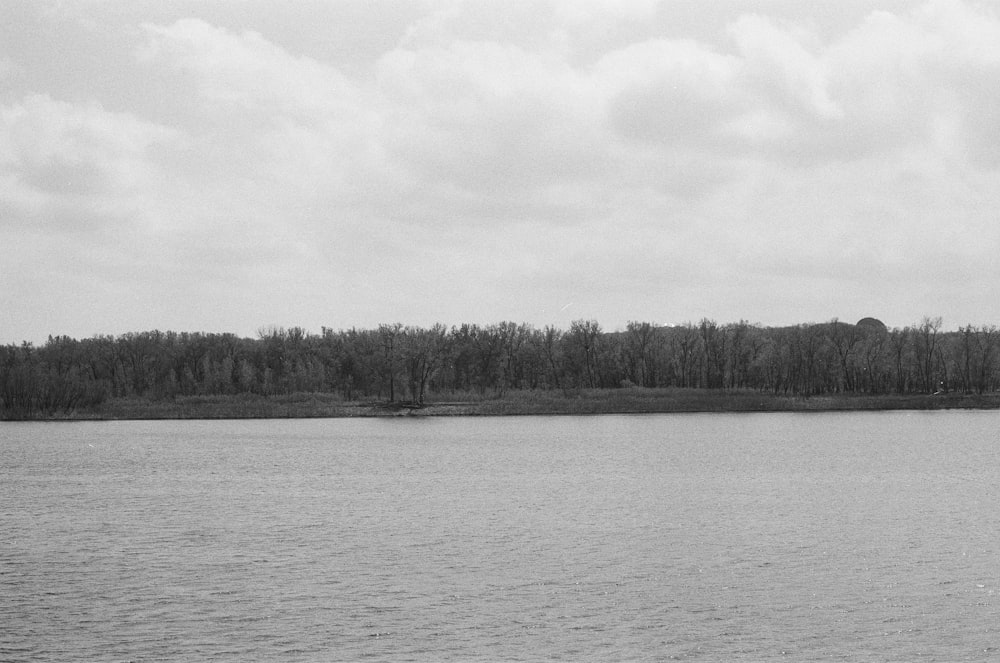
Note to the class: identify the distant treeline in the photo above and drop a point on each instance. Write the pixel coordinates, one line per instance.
(405, 363)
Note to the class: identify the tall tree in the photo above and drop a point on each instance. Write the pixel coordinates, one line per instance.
(926, 348)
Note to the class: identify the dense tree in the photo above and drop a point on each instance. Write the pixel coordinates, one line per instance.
(582, 352)
(927, 351)
(875, 377)
(643, 347)
(423, 352)
(987, 349)
(552, 343)
(689, 355)
(843, 338)
(393, 362)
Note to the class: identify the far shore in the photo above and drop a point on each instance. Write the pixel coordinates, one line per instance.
(552, 402)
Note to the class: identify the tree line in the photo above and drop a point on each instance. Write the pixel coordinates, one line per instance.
(406, 363)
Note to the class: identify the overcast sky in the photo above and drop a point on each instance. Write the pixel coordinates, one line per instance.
(229, 165)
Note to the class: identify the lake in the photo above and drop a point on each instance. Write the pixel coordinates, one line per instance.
(711, 537)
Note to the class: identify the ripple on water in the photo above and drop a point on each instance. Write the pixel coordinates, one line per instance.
(753, 538)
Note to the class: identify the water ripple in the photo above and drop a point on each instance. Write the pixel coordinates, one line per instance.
(738, 538)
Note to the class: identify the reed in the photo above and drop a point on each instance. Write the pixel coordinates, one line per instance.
(549, 402)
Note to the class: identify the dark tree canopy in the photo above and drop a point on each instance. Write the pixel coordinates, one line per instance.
(872, 323)
(397, 363)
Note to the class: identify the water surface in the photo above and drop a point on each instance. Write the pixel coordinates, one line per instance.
(810, 536)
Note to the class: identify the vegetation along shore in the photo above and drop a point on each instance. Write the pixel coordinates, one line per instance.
(505, 368)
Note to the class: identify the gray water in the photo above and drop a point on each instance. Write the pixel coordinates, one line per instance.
(757, 537)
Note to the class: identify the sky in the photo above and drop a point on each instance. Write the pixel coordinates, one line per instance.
(232, 165)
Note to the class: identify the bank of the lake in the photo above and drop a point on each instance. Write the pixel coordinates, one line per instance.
(589, 401)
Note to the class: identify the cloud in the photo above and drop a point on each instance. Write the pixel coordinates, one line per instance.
(917, 81)
(671, 92)
(8, 70)
(484, 116)
(497, 160)
(62, 154)
(966, 63)
(279, 132)
(589, 12)
(894, 84)
(246, 73)
(780, 64)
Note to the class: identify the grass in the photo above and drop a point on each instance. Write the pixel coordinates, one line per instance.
(608, 401)
(583, 401)
(242, 406)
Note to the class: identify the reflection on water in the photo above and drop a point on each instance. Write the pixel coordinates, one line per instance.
(708, 537)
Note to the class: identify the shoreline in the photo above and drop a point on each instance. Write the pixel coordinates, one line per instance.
(522, 403)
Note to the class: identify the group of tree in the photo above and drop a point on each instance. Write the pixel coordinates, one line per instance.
(405, 363)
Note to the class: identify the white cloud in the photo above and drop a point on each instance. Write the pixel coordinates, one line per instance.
(503, 156)
(246, 73)
(586, 12)
(294, 127)
(485, 116)
(779, 62)
(8, 70)
(54, 152)
(671, 92)
(920, 81)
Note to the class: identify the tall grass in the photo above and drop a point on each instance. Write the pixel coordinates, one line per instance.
(243, 406)
(579, 401)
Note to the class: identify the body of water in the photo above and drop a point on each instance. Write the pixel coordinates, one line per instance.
(735, 537)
